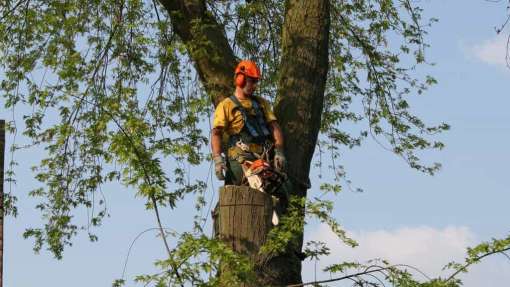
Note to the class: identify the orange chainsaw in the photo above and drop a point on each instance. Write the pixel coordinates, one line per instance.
(262, 176)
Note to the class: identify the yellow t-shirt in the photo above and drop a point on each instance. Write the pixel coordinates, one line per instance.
(231, 119)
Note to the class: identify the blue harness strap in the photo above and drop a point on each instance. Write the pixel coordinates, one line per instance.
(258, 128)
(260, 117)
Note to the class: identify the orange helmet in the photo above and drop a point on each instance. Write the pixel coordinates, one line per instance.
(246, 68)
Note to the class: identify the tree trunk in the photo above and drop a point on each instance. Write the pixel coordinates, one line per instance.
(243, 222)
(303, 73)
(300, 99)
(244, 218)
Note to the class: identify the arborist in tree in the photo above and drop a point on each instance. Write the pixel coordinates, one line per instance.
(251, 127)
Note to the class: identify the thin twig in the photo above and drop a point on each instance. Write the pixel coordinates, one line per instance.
(340, 278)
(463, 268)
(11, 10)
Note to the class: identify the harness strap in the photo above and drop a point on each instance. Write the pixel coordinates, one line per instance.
(260, 117)
(260, 128)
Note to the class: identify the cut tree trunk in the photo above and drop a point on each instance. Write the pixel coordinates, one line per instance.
(244, 218)
(243, 223)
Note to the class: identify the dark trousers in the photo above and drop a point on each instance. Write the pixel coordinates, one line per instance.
(234, 174)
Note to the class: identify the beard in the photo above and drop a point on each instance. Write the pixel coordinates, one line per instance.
(248, 90)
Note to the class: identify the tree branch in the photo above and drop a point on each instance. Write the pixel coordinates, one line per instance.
(206, 44)
(471, 262)
(7, 13)
(340, 278)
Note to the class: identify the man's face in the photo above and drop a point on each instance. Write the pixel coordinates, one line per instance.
(251, 85)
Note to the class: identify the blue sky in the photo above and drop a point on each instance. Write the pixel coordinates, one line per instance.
(422, 220)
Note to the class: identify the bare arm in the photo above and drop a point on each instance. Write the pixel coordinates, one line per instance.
(216, 136)
(277, 135)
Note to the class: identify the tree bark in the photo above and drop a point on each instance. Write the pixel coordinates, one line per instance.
(243, 222)
(303, 72)
(301, 86)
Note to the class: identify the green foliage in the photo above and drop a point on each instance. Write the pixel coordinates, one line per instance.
(315, 249)
(382, 273)
(322, 209)
(288, 230)
(196, 260)
(291, 225)
(254, 31)
(111, 95)
(374, 48)
(477, 253)
(91, 63)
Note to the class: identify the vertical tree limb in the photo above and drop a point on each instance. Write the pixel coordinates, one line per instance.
(302, 81)
(299, 104)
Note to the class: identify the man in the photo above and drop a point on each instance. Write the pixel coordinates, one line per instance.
(250, 125)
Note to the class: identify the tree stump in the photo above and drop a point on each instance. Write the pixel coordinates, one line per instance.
(244, 220)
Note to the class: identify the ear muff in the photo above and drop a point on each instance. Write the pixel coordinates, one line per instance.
(240, 80)
(245, 68)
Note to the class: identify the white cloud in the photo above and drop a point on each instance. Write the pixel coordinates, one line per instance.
(492, 51)
(425, 248)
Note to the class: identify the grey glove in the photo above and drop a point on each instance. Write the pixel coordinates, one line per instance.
(219, 167)
(279, 159)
